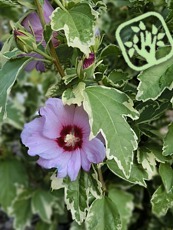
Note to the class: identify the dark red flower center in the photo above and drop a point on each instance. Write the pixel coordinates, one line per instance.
(70, 138)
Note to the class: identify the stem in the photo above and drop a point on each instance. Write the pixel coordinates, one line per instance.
(56, 59)
(101, 178)
(52, 49)
(43, 60)
(40, 12)
(44, 55)
(61, 5)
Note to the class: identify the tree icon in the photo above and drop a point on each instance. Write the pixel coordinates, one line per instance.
(145, 42)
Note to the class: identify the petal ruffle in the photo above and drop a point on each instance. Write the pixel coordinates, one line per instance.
(30, 128)
(95, 151)
(39, 145)
(81, 120)
(74, 165)
(60, 163)
(86, 164)
(56, 116)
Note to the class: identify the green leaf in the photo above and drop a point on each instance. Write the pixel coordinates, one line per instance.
(157, 151)
(12, 177)
(42, 202)
(70, 75)
(107, 109)
(76, 197)
(78, 193)
(75, 226)
(118, 78)
(151, 110)
(44, 226)
(124, 202)
(161, 201)
(15, 114)
(78, 24)
(5, 49)
(166, 174)
(21, 210)
(103, 214)
(27, 3)
(167, 146)
(137, 175)
(8, 75)
(155, 80)
(110, 50)
(148, 161)
(93, 184)
(74, 95)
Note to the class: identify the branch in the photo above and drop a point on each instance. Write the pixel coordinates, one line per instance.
(51, 47)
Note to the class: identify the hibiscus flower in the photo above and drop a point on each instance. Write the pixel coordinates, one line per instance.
(60, 137)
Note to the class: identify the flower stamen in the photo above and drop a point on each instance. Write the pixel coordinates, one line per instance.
(71, 140)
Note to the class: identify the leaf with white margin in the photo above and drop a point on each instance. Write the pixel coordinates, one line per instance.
(137, 175)
(78, 24)
(103, 214)
(147, 159)
(74, 95)
(155, 80)
(166, 173)
(124, 202)
(15, 114)
(8, 75)
(161, 201)
(12, 175)
(77, 195)
(107, 109)
(56, 183)
(42, 202)
(93, 184)
(21, 210)
(167, 146)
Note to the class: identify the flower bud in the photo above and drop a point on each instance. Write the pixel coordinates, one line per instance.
(88, 67)
(25, 41)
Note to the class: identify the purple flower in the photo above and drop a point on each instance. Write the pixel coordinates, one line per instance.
(89, 61)
(33, 25)
(60, 137)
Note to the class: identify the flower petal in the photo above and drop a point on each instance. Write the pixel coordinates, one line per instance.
(86, 164)
(47, 11)
(56, 116)
(45, 163)
(81, 120)
(74, 165)
(30, 128)
(60, 162)
(95, 151)
(62, 172)
(32, 20)
(39, 145)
